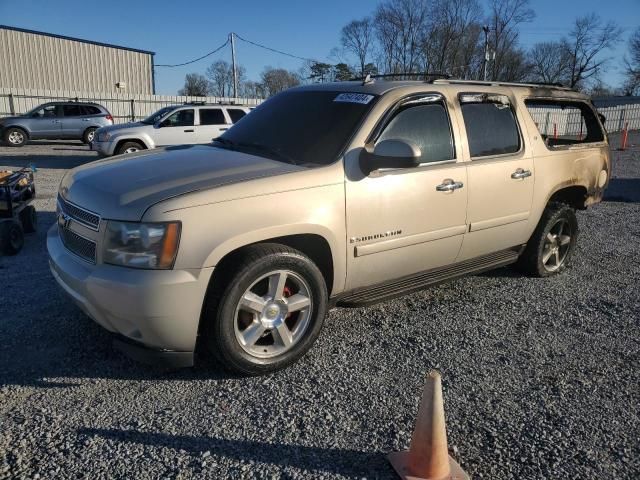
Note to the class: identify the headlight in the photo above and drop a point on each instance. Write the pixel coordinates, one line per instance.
(103, 136)
(141, 245)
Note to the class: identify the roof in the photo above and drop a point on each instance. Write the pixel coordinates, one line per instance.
(74, 39)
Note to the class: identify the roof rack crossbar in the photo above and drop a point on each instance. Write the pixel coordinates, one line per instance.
(402, 76)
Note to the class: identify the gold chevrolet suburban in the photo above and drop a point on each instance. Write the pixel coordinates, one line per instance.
(338, 194)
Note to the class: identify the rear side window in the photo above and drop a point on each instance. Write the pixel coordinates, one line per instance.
(236, 114)
(91, 110)
(490, 123)
(426, 125)
(73, 110)
(563, 122)
(212, 116)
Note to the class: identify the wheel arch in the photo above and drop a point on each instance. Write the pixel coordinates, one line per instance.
(121, 141)
(572, 195)
(21, 127)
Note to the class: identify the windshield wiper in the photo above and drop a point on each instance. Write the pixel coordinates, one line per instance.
(273, 152)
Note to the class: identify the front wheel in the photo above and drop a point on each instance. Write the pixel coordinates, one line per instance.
(15, 137)
(269, 311)
(552, 243)
(129, 147)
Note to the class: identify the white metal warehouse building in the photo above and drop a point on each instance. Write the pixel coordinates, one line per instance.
(38, 60)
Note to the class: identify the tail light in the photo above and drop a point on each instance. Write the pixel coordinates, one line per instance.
(109, 117)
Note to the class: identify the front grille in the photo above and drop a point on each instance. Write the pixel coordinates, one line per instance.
(80, 215)
(84, 248)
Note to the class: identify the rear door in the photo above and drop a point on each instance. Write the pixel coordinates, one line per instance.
(213, 123)
(46, 122)
(74, 121)
(500, 174)
(177, 129)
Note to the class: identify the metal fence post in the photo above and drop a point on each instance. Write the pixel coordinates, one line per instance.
(546, 124)
(12, 107)
(621, 122)
(133, 110)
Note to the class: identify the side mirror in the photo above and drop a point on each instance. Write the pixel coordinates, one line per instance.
(390, 154)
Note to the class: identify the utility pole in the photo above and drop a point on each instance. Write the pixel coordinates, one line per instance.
(233, 65)
(486, 51)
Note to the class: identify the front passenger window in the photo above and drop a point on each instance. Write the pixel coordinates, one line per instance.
(426, 126)
(181, 118)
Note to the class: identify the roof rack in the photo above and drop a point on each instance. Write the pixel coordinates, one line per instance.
(557, 86)
(401, 76)
(219, 102)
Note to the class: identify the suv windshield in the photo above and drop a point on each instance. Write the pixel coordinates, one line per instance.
(302, 127)
(153, 118)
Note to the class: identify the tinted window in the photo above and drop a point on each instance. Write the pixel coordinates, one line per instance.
(48, 111)
(212, 116)
(427, 127)
(491, 126)
(181, 118)
(72, 110)
(155, 117)
(235, 114)
(304, 126)
(565, 123)
(91, 110)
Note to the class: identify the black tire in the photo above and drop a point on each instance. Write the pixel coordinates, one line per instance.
(15, 137)
(11, 237)
(532, 259)
(88, 135)
(229, 287)
(29, 219)
(122, 149)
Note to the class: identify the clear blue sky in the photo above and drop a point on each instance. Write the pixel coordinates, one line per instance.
(182, 30)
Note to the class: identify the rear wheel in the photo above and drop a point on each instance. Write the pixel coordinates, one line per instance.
(552, 243)
(29, 219)
(11, 237)
(15, 137)
(267, 312)
(129, 147)
(89, 135)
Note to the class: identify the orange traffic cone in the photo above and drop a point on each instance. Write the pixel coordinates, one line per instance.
(427, 457)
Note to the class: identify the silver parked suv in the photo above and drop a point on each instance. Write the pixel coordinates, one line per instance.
(190, 123)
(329, 194)
(55, 120)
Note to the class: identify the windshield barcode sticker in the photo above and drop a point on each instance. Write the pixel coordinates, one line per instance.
(354, 98)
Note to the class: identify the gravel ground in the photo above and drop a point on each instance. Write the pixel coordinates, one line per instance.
(541, 377)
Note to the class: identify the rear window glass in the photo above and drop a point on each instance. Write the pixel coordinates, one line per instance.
(236, 114)
(490, 123)
(427, 127)
(565, 122)
(91, 110)
(212, 116)
(72, 110)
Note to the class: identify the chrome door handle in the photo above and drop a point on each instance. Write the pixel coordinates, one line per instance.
(188, 131)
(85, 120)
(223, 129)
(448, 185)
(520, 173)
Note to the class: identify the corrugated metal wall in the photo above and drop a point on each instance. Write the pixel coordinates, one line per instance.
(29, 60)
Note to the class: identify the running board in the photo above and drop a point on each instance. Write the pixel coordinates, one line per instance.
(419, 281)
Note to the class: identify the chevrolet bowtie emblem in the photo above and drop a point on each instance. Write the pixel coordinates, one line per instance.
(64, 220)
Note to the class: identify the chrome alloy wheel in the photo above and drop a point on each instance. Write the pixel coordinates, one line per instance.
(273, 314)
(556, 245)
(91, 135)
(16, 137)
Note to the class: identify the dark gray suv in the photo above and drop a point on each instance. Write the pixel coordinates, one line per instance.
(55, 120)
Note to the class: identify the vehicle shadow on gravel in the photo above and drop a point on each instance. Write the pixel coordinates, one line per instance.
(335, 460)
(623, 190)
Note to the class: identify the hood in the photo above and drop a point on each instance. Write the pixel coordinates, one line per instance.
(123, 188)
(122, 126)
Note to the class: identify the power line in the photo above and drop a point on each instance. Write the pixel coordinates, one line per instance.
(275, 50)
(199, 58)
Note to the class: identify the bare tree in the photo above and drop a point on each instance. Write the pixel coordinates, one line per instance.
(632, 64)
(504, 18)
(195, 85)
(357, 38)
(400, 27)
(275, 80)
(220, 74)
(587, 41)
(550, 62)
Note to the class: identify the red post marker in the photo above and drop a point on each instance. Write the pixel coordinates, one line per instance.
(625, 136)
(555, 131)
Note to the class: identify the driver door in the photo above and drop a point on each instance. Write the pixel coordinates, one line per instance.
(177, 129)
(46, 122)
(398, 221)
